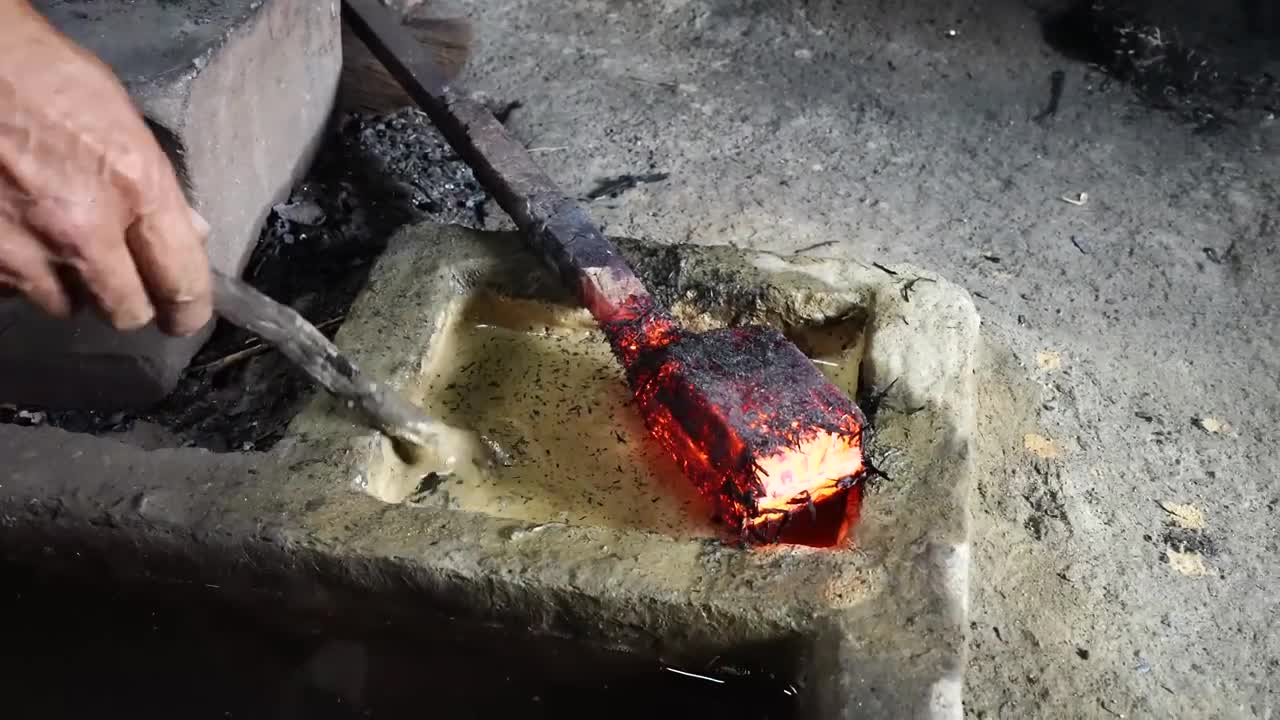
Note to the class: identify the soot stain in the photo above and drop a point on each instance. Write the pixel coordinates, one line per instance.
(613, 187)
(1188, 540)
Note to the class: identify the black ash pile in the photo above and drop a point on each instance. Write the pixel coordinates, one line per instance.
(1173, 64)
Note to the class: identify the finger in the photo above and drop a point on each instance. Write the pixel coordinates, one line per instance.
(89, 236)
(168, 247)
(25, 267)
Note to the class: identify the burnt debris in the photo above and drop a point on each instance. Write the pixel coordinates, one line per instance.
(613, 187)
(1057, 80)
(1204, 87)
(770, 392)
(503, 112)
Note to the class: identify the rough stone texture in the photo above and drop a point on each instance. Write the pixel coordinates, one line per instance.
(242, 92)
(880, 631)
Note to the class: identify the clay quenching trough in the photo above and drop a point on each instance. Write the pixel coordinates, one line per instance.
(594, 528)
(532, 370)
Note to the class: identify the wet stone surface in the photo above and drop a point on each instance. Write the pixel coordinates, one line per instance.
(374, 175)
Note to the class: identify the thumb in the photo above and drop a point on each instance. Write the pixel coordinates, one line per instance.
(201, 226)
(168, 246)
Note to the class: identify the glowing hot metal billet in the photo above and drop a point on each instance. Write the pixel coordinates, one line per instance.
(756, 426)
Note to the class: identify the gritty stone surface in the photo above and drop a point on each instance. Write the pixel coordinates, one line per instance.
(874, 131)
(891, 615)
(240, 92)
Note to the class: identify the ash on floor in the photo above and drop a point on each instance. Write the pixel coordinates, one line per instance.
(1166, 69)
(375, 175)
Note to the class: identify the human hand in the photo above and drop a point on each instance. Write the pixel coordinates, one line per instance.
(84, 185)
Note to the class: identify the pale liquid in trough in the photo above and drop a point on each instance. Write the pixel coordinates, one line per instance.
(541, 381)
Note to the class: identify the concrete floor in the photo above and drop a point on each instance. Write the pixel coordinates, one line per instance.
(1111, 328)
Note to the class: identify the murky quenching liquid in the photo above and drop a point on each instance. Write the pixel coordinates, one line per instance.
(541, 380)
(180, 652)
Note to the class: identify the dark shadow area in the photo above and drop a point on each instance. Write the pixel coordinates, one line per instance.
(82, 641)
(1205, 62)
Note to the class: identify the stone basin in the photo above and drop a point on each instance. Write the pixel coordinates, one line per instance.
(591, 534)
(526, 367)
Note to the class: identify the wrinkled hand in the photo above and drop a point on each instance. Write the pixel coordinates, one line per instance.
(84, 185)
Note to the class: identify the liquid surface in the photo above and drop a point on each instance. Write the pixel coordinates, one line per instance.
(541, 381)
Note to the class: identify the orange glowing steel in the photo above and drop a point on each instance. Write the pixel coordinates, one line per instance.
(747, 417)
(811, 470)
